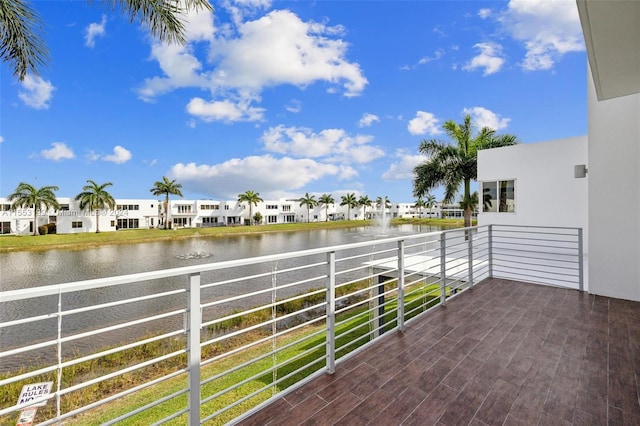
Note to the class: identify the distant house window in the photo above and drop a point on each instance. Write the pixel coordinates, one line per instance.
(64, 207)
(5, 227)
(272, 219)
(272, 207)
(499, 196)
(209, 207)
(76, 224)
(286, 208)
(184, 209)
(113, 223)
(128, 223)
(226, 207)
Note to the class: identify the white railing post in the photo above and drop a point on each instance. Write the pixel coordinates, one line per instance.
(490, 249)
(470, 257)
(580, 261)
(331, 312)
(401, 285)
(194, 321)
(443, 268)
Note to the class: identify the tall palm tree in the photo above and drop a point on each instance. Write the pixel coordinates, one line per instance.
(24, 49)
(325, 200)
(251, 198)
(28, 196)
(309, 201)
(383, 202)
(365, 202)
(452, 165)
(430, 202)
(166, 187)
(419, 204)
(350, 201)
(95, 197)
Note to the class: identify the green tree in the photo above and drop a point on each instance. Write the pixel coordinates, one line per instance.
(350, 201)
(257, 218)
(166, 187)
(452, 165)
(309, 201)
(251, 198)
(430, 202)
(383, 202)
(419, 204)
(95, 197)
(24, 50)
(325, 200)
(365, 202)
(28, 196)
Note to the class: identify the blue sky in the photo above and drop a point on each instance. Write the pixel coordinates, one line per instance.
(284, 98)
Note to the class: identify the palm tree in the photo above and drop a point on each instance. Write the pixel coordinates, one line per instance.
(380, 201)
(365, 202)
(94, 197)
(419, 204)
(309, 201)
(451, 165)
(21, 26)
(251, 198)
(325, 200)
(28, 196)
(430, 202)
(350, 201)
(166, 187)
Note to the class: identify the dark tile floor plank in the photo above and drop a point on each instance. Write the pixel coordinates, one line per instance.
(503, 353)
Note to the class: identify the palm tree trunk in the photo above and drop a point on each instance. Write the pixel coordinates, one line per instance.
(166, 211)
(35, 220)
(97, 222)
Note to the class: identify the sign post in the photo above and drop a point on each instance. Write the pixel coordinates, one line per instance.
(32, 393)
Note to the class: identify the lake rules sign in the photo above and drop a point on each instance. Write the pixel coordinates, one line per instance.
(35, 392)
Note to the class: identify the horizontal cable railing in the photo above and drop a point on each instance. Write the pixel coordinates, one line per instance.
(214, 342)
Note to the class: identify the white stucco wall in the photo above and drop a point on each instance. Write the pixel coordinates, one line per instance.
(614, 195)
(546, 192)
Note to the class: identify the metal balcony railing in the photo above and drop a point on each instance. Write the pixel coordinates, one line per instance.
(213, 343)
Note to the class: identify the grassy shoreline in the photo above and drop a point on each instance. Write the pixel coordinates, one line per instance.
(10, 243)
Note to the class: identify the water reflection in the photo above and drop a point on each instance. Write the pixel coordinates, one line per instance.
(21, 270)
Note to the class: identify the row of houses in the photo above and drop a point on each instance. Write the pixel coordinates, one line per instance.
(150, 213)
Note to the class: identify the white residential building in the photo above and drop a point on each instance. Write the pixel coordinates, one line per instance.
(577, 181)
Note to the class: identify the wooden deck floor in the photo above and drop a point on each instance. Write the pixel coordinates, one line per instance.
(504, 353)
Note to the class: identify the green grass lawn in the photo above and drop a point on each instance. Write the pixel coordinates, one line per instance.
(92, 239)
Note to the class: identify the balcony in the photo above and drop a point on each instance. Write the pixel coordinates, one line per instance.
(419, 329)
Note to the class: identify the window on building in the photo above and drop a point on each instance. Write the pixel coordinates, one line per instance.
(76, 224)
(128, 223)
(113, 223)
(226, 207)
(5, 227)
(272, 219)
(6, 207)
(286, 208)
(184, 208)
(272, 207)
(499, 196)
(64, 207)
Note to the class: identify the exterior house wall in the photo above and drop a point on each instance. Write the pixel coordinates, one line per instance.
(614, 180)
(546, 192)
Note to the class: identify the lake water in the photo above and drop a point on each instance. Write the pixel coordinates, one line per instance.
(19, 270)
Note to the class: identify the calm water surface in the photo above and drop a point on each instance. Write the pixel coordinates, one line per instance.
(21, 270)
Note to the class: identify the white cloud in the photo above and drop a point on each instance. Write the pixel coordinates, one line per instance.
(437, 55)
(548, 29)
(482, 117)
(368, 119)
(36, 93)
(424, 123)
(484, 13)
(120, 155)
(226, 110)
(403, 168)
(239, 9)
(1, 139)
(264, 174)
(95, 30)
(294, 106)
(276, 49)
(59, 151)
(490, 58)
(334, 145)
